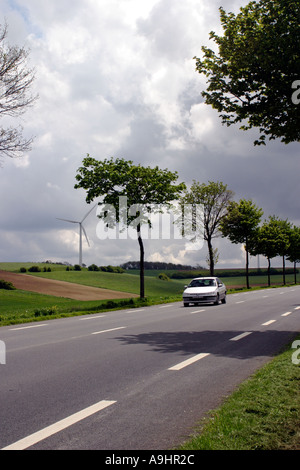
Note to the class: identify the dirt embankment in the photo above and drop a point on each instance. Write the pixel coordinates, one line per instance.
(61, 288)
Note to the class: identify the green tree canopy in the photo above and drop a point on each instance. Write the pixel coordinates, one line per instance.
(273, 239)
(240, 225)
(146, 188)
(293, 253)
(250, 78)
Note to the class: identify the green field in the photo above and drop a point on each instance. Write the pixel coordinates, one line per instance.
(18, 306)
(235, 281)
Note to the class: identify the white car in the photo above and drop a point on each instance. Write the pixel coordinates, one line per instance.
(204, 290)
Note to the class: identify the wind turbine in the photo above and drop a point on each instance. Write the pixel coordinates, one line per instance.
(81, 229)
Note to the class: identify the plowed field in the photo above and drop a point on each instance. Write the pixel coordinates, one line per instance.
(61, 288)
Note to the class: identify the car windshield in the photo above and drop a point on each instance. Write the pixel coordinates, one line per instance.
(202, 283)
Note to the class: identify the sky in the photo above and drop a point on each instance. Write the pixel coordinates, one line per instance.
(117, 79)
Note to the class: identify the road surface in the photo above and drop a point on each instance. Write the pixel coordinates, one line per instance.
(135, 379)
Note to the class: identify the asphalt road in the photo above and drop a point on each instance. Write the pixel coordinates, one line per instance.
(135, 379)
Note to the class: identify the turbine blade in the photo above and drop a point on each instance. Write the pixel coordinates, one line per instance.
(83, 229)
(67, 220)
(88, 213)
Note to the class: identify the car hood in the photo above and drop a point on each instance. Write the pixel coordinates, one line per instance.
(200, 290)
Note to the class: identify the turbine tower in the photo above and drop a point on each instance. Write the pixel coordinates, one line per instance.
(81, 229)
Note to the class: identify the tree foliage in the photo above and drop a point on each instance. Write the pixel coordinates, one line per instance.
(250, 78)
(15, 97)
(240, 225)
(213, 198)
(293, 253)
(273, 240)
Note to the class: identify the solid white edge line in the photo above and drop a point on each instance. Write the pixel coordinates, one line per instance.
(189, 361)
(242, 335)
(59, 426)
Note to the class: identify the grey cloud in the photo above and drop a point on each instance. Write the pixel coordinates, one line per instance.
(132, 92)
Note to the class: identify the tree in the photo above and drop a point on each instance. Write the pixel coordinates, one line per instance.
(285, 228)
(251, 78)
(293, 253)
(147, 190)
(240, 225)
(272, 241)
(213, 198)
(15, 82)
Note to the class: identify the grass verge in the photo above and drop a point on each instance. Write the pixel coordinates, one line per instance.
(262, 414)
(19, 306)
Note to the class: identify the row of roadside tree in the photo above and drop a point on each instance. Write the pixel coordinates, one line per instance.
(241, 222)
(147, 187)
(272, 238)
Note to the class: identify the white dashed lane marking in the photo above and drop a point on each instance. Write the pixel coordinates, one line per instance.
(189, 361)
(268, 322)
(242, 335)
(58, 426)
(106, 331)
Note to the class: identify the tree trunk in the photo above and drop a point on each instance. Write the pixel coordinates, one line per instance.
(283, 269)
(269, 269)
(247, 269)
(142, 269)
(247, 265)
(295, 272)
(211, 257)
